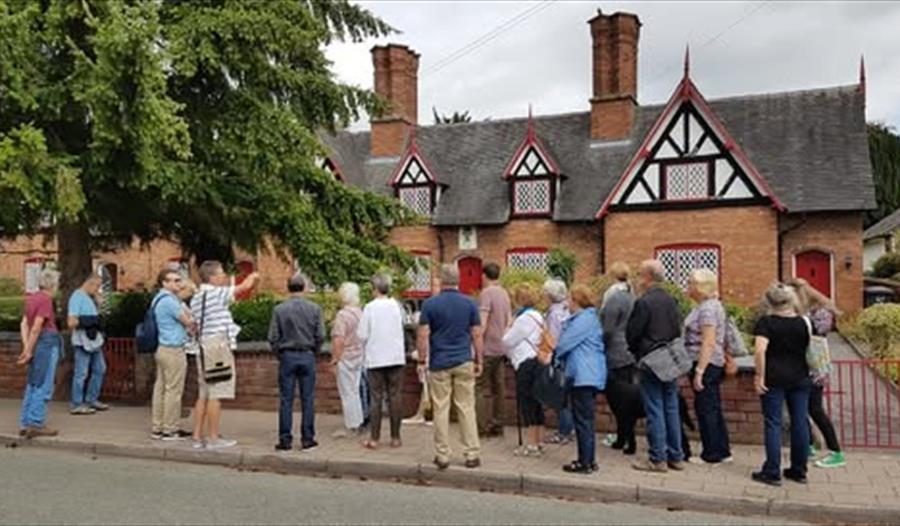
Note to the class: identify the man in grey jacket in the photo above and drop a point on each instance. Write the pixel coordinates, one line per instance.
(296, 333)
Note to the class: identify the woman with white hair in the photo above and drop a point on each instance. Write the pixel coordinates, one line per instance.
(782, 375)
(704, 340)
(380, 332)
(557, 294)
(41, 348)
(347, 358)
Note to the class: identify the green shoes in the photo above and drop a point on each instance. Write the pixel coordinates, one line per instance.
(813, 451)
(834, 460)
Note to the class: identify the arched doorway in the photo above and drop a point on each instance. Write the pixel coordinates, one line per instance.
(815, 266)
(469, 275)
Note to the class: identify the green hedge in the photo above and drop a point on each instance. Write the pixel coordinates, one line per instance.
(11, 312)
(887, 265)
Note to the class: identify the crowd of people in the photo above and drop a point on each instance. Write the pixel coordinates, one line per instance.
(609, 344)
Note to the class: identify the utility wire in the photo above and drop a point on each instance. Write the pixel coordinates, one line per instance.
(487, 37)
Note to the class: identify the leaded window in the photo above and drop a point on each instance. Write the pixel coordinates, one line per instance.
(527, 259)
(686, 181)
(416, 198)
(680, 261)
(531, 197)
(419, 275)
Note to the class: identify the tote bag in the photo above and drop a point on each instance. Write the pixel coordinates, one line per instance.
(818, 355)
(668, 361)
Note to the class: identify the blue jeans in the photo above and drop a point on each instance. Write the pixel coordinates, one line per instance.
(85, 362)
(296, 367)
(584, 404)
(364, 396)
(566, 420)
(39, 391)
(797, 398)
(663, 418)
(710, 420)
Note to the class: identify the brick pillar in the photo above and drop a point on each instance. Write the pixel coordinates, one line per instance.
(396, 82)
(614, 68)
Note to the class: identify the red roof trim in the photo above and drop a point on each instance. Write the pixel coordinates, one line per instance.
(336, 168)
(686, 90)
(531, 140)
(527, 250)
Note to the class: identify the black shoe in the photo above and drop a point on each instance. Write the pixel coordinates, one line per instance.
(309, 445)
(473, 463)
(283, 446)
(183, 434)
(441, 465)
(793, 475)
(578, 467)
(759, 476)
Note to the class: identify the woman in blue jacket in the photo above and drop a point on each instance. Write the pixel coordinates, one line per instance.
(580, 349)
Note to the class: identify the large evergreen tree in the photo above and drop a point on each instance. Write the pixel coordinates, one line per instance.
(884, 152)
(193, 120)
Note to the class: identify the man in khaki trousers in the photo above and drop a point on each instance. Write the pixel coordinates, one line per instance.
(172, 321)
(450, 347)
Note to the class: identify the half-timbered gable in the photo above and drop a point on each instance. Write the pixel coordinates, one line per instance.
(331, 167)
(688, 159)
(533, 177)
(414, 183)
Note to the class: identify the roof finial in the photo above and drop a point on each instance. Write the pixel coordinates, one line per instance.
(531, 130)
(862, 74)
(687, 60)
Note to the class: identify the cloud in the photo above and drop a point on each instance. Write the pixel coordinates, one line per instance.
(736, 48)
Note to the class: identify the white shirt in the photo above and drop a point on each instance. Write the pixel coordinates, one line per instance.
(522, 339)
(381, 332)
(218, 320)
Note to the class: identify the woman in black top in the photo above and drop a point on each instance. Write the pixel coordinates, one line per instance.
(782, 337)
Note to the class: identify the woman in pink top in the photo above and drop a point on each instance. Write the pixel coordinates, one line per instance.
(347, 358)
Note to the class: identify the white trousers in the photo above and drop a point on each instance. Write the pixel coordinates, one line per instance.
(349, 376)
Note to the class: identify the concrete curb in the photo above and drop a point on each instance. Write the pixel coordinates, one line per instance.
(480, 480)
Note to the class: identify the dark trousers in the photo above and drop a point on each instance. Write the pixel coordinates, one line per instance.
(710, 420)
(530, 409)
(584, 404)
(818, 415)
(624, 400)
(296, 367)
(491, 382)
(386, 382)
(797, 398)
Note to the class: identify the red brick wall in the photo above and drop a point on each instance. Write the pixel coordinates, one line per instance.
(839, 234)
(748, 237)
(257, 388)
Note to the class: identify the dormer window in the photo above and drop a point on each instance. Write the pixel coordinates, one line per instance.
(533, 178)
(414, 183)
(686, 181)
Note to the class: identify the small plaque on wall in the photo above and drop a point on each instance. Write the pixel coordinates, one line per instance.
(468, 238)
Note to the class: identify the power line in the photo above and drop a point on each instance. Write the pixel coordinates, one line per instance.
(487, 37)
(711, 40)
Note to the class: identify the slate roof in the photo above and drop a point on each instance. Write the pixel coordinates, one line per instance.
(883, 227)
(810, 146)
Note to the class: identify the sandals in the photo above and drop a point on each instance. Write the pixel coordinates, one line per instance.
(528, 451)
(370, 444)
(396, 442)
(557, 438)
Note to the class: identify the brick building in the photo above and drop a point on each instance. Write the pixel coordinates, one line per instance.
(756, 187)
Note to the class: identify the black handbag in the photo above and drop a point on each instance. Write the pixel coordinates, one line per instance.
(550, 386)
(668, 361)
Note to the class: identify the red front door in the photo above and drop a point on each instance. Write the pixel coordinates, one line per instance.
(469, 275)
(244, 268)
(815, 267)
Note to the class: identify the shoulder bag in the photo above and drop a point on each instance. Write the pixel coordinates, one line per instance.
(668, 361)
(216, 359)
(818, 355)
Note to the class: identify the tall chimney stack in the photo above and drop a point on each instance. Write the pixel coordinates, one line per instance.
(614, 40)
(396, 81)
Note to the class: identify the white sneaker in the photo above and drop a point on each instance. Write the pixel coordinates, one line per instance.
(415, 420)
(198, 444)
(339, 433)
(728, 460)
(221, 443)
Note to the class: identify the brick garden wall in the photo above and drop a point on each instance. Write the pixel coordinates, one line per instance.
(257, 388)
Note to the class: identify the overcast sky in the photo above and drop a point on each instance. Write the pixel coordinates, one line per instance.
(543, 57)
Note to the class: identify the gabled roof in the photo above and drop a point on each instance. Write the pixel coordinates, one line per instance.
(531, 141)
(810, 147)
(413, 154)
(884, 227)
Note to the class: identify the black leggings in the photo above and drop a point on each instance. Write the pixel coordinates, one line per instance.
(529, 407)
(817, 413)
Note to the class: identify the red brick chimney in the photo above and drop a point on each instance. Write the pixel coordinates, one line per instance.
(614, 40)
(396, 81)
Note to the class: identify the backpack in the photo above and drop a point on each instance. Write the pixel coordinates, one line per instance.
(146, 334)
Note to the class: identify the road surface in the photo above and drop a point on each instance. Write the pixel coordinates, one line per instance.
(41, 486)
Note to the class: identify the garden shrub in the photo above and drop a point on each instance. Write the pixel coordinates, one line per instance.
(10, 287)
(561, 264)
(887, 265)
(253, 317)
(122, 311)
(512, 278)
(879, 326)
(11, 312)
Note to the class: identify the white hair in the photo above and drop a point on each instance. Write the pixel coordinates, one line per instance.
(48, 279)
(349, 294)
(555, 289)
(382, 282)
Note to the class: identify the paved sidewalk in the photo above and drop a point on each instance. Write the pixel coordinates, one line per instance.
(866, 490)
